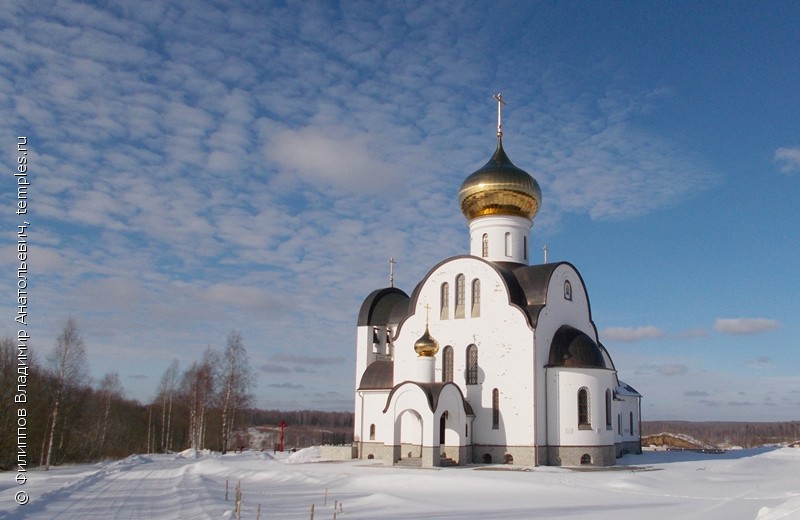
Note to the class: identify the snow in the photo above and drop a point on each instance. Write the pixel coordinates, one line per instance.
(758, 484)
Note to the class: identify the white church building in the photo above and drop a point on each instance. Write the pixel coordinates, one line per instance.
(490, 359)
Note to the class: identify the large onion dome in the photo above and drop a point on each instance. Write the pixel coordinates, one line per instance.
(426, 346)
(500, 188)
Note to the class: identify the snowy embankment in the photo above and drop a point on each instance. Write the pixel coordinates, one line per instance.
(745, 484)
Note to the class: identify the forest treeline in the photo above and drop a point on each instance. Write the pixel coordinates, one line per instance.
(69, 419)
(728, 434)
(323, 420)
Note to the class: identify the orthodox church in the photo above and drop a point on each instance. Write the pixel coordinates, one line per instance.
(490, 359)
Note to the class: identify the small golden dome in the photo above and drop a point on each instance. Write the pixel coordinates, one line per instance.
(500, 188)
(426, 346)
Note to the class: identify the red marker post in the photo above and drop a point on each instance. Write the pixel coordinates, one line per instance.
(282, 425)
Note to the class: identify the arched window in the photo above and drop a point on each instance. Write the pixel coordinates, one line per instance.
(460, 296)
(472, 365)
(495, 409)
(447, 364)
(508, 244)
(586, 458)
(485, 245)
(444, 301)
(476, 298)
(376, 340)
(372, 432)
(583, 409)
(567, 290)
(608, 408)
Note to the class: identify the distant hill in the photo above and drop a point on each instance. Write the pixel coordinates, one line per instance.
(310, 427)
(705, 435)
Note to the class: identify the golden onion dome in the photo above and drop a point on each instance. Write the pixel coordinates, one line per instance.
(426, 346)
(500, 188)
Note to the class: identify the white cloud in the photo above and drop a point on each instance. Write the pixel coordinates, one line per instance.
(332, 158)
(744, 326)
(788, 159)
(631, 333)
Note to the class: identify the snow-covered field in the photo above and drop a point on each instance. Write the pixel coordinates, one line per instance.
(761, 483)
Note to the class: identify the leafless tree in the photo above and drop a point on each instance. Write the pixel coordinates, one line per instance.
(198, 383)
(236, 379)
(110, 389)
(67, 363)
(166, 391)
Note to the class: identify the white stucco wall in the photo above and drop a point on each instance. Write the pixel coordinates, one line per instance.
(505, 349)
(563, 385)
(500, 248)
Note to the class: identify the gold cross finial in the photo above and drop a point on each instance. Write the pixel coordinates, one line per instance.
(500, 103)
(391, 272)
(427, 312)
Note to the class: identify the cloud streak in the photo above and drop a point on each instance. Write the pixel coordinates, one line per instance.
(631, 334)
(788, 159)
(744, 326)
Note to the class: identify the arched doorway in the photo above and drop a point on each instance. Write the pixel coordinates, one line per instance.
(409, 423)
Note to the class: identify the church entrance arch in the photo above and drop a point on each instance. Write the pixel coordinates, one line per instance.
(409, 427)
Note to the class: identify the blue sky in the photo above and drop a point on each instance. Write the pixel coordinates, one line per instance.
(198, 167)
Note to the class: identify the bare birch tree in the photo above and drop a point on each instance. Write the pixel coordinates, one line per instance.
(235, 380)
(166, 391)
(68, 366)
(110, 389)
(198, 382)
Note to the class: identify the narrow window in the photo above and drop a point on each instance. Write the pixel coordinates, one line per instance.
(583, 409)
(525, 247)
(508, 244)
(372, 432)
(460, 296)
(608, 408)
(476, 298)
(376, 340)
(631, 423)
(472, 365)
(389, 344)
(485, 246)
(447, 364)
(619, 424)
(444, 301)
(567, 290)
(495, 409)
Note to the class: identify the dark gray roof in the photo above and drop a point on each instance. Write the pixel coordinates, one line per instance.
(432, 392)
(378, 376)
(626, 389)
(607, 355)
(378, 306)
(399, 311)
(573, 348)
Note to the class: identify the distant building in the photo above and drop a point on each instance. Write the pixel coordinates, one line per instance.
(490, 359)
